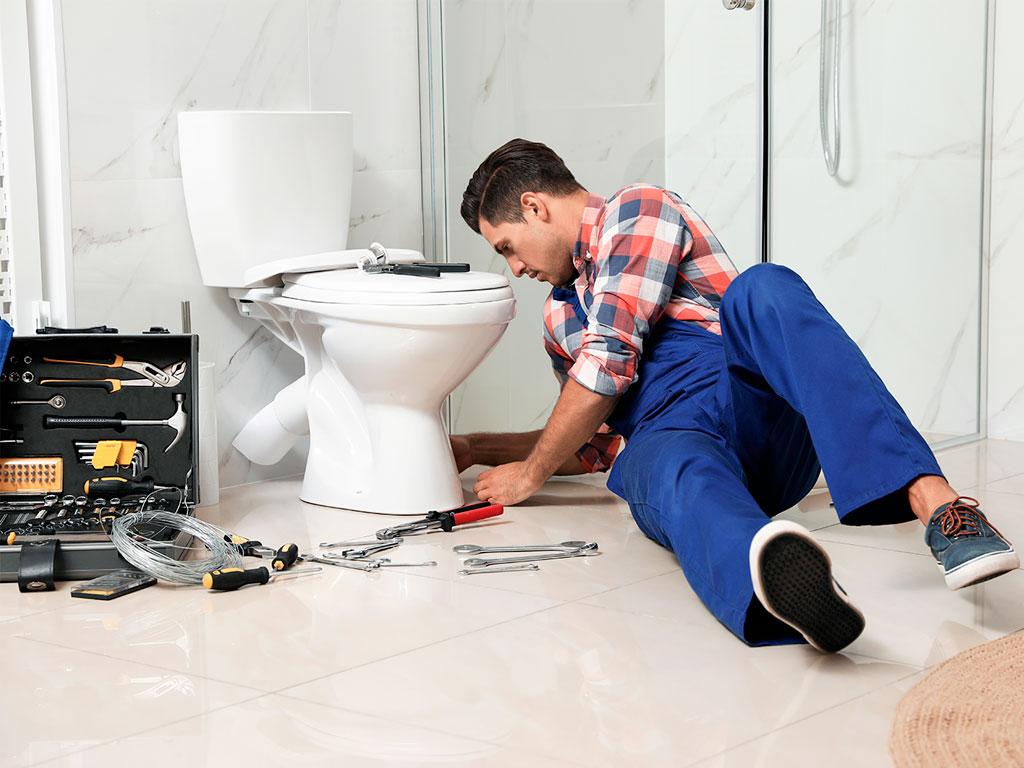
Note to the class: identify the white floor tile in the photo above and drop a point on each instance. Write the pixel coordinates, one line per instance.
(273, 730)
(981, 463)
(492, 670)
(564, 510)
(851, 735)
(277, 635)
(57, 701)
(912, 616)
(15, 604)
(1014, 484)
(604, 688)
(1005, 510)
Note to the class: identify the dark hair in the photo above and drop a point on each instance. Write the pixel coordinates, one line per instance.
(516, 167)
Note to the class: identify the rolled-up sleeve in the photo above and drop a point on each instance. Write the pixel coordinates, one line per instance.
(642, 242)
(597, 454)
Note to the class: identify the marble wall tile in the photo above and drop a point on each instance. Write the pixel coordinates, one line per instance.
(1006, 322)
(128, 241)
(602, 112)
(586, 52)
(363, 58)
(712, 127)
(386, 207)
(891, 246)
(132, 65)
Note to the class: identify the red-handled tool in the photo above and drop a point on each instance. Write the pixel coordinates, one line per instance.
(444, 521)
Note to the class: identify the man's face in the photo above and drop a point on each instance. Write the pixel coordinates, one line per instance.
(537, 247)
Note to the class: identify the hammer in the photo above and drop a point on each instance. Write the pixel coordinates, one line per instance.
(175, 421)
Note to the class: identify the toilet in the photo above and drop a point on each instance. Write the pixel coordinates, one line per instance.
(268, 196)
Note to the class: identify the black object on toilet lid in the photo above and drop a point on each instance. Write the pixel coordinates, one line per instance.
(346, 286)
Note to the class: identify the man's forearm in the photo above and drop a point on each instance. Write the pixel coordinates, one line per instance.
(493, 449)
(576, 418)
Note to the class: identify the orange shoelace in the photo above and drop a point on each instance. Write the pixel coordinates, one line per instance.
(962, 518)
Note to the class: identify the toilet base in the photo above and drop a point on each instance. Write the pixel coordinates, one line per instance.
(386, 458)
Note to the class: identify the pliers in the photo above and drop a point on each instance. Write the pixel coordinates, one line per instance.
(152, 376)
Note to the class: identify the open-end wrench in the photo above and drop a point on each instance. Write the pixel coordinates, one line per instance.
(501, 569)
(565, 546)
(379, 562)
(389, 564)
(362, 553)
(358, 565)
(481, 562)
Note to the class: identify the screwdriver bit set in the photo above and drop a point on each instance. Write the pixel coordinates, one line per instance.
(91, 424)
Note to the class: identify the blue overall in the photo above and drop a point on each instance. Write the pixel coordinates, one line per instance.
(724, 432)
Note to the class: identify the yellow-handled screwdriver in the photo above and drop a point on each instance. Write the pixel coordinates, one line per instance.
(229, 579)
(122, 486)
(285, 557)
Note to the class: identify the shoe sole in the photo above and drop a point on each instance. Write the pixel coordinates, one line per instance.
(981, 569)
(792, 578)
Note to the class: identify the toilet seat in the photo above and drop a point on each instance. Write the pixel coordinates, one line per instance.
(354, 286)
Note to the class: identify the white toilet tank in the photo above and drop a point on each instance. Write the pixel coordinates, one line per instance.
(264, 186)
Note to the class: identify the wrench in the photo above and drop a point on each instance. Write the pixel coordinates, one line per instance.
(475, 562)
(358, 565)
(501, 569)
(379, 562)
(361, 553)
(358, 542)
(565, 546)
(388, 564)
(57, 401)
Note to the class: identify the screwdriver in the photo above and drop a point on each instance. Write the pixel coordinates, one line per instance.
(122, 486)
(230, 579)
(285, 557)
(248, 547)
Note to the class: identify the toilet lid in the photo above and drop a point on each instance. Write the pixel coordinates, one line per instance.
(354, 286)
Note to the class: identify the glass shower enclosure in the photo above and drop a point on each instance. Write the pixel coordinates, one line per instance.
(845, 139)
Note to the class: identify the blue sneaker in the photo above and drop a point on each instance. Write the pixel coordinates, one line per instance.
(968, 548)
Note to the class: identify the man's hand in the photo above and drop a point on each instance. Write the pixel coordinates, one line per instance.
(509, 484)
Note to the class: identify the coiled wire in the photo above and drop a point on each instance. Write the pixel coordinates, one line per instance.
(128, 534)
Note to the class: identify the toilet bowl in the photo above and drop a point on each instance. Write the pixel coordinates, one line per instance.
(268, 196)
(382, 353)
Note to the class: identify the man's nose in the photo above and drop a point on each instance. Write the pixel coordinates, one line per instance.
(517, 267)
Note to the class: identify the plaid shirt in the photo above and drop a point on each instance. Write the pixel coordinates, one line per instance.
(641, 254)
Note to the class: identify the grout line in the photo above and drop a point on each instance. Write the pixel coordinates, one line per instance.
(294, 684)
(802, 719)
(31, 615)
(875, 548)
(144, 731)
(162, 668)
(915, 669)
(281, 691)
(309, 702)
(988, 489)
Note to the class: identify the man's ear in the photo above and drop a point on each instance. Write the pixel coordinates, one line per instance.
(533, 206)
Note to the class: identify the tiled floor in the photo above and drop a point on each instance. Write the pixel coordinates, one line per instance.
(605, 661)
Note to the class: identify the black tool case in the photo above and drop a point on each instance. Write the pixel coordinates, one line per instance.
(54, 364)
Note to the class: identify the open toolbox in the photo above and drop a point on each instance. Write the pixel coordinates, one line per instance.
(88, 423)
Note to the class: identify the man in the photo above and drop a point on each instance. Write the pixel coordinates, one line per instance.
(732, 392)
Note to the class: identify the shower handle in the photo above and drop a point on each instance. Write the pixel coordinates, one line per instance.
(733, 5)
